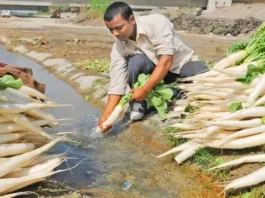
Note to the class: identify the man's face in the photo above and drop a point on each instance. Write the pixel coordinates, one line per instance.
(121, 28)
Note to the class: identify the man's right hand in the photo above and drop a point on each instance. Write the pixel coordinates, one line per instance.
(113, 100)
(100, 124)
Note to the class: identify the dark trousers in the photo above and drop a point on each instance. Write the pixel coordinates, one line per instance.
(140, 63)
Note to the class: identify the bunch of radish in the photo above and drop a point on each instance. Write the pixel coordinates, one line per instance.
(23, 141)
(224, 108)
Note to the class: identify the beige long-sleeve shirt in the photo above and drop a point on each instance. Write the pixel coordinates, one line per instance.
(155, 36)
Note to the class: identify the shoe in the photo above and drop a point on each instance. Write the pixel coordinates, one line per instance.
(134, 115)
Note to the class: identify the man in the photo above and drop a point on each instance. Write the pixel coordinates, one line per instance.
(145, 44)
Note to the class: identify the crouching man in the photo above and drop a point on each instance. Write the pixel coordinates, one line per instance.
(145, 44)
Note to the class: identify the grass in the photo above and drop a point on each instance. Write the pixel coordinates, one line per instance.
(173, 142)
(97, 65)
(97, 8)
(205, 159)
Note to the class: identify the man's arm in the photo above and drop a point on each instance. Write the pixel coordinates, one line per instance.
(118, 82)
(160, 71)
(113, 100)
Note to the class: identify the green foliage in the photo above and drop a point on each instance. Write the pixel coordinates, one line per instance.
(237, 46)
(235, 106)
(172, 141)
(97, 65)
(125, 99)
(9, 81)
(62, 7)
(158, 97)
(98, 7)
(252, 73)
(205, 159)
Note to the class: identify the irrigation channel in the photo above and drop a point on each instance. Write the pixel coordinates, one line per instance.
(110, 161)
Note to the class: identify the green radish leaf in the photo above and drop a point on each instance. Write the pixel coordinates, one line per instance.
(9, 81)
(159, 96)
(235, 106)
(252, 73)
(125, 99)
(165, 93)
(263, 120)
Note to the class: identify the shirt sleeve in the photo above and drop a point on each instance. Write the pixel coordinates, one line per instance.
(118, 71)
(163, 37)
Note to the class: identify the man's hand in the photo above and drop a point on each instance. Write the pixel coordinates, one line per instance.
(139, 94)
(100, 124)
(113, 101)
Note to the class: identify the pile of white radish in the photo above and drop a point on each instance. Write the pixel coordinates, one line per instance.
(224, 108)
(23, 141)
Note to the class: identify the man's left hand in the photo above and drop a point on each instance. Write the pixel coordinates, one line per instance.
(139, 94)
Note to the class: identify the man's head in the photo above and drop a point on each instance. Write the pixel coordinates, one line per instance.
(119, 20)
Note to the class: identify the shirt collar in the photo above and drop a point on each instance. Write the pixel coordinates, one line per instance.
(139, 26)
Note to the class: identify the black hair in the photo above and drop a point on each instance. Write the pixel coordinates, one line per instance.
(117, 8)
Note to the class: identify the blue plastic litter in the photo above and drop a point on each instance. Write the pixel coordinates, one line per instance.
(127, 185)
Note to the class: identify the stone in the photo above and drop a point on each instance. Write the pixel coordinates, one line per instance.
(20, 49)
(38, 56)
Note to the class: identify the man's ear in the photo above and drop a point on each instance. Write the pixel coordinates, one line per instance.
(132, 19)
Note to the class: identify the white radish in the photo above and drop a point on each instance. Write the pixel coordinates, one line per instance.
(257, 91)
(245, 159)
(234, 124)
(237, 71)
(246, 113)
(33, 92)
(223, 79)
(231, 59)
(15, 149)
(246, 142)
(23, 121)
(18, 108)
(112, 118)
(214, 109)
(41, 159)
(17, 161)
(185, 126)
(184, 155)
(15, 96)
(218, 135)
(244, 133)
(44, 167)
(209, 73)
(181, 147)
(12, 127)
(5, 138)
(259, 102)
(18, 194)
(249, 180)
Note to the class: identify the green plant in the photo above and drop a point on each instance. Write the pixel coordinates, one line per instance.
(205, 159)
(97, 65)
(62, 7)
(98, 7)
(172, 141)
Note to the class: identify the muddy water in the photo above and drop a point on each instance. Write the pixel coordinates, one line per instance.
(121, 156)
